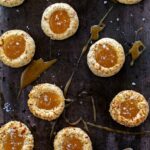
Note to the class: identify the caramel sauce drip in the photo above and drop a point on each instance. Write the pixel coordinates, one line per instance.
(135, 51)
(59, 21)
(129, 109)
(106, 55)
(14, 140)
(14, 46)
(72, 143)
(95, 29)
(34, 70)
(48, 100)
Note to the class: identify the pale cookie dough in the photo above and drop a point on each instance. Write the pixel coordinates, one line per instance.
(129, 108)
(71, 24)
(9, 133)
(35, 99)
(25, 57)
(11, 3)
(81, 138)
(100, 70)
(129, 1)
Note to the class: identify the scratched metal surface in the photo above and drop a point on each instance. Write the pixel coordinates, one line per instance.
(27, 17)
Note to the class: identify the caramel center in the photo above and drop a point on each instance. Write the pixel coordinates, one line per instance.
(48, 100)
(72, 143)
(14, 46)
(59, 21)
(106, 55)
(129, 109)
(14, 140)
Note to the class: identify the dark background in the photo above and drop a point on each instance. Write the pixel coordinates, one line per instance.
(27, 17)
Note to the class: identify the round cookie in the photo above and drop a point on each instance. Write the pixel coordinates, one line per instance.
(72, 138)
(16, 135)
(59, 21)
(129, 1)
(17, 48)
(129, 108)
(11, 3)
(46, 101)
(106, 57)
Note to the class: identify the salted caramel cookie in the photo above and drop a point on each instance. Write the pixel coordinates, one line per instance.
(11, 3)
(17, 48)
(72, 138)
(106, 57)
(15, 135)
(129, 1)
(129, 108)
(59, 21)
(46, 101)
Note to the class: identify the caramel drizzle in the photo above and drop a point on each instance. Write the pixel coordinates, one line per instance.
(33, 71)
(116, 130)
(83, 52)
(71, 123)
(136, 50)
(94, 109)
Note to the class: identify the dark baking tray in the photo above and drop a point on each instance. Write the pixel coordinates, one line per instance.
(27, 17)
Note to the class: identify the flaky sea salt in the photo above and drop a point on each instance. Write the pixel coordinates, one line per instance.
(105, 2)
(143, 19)
(27, 27)
(7, 107)
(17, 10)
(117, 19)
(133, 83)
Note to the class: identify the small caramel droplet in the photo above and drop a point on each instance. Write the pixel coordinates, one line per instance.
(72, 143)
(14, 46)
(14, 140)
(48, 100)
(106, 55)
(129, 109)
(95, 29)
(59, 21)
(135, 51)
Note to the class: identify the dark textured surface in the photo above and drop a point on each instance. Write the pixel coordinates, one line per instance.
(85, 84)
